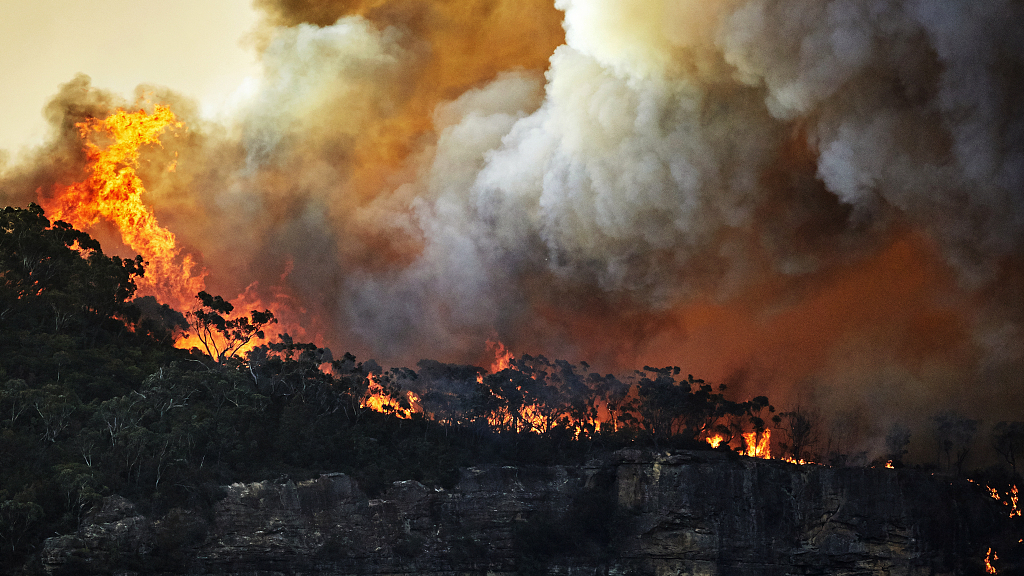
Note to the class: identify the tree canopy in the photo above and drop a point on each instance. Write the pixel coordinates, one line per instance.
(95, 399)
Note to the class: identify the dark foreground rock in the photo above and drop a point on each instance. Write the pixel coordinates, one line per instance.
(630, 513)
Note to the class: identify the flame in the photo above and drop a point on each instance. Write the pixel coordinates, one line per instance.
(758, 445)
(532, 418)
(502, 356)
(1014, 509)
(378, 401)
(889, 464)
(1012, 499)
(113, 191)
(990, 557)
(528, 419)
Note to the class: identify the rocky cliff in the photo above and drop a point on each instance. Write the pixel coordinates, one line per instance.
(631, 512)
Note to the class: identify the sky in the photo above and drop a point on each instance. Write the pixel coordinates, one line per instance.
(197, 47)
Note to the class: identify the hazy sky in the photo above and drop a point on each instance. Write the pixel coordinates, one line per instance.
(195, 47)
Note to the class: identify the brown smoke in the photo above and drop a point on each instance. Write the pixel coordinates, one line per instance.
(817, 200)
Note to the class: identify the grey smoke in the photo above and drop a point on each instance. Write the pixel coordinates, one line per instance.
(746, 155)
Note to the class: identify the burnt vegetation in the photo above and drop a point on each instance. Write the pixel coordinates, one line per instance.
(95, 401)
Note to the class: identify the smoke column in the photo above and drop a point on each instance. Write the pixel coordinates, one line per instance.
(821, 201)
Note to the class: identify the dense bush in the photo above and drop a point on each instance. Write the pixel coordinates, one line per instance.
(95, 400)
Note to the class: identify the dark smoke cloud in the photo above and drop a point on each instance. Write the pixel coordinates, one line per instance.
(819, 200)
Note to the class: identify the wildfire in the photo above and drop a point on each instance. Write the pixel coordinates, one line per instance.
(758, 445)
(1014, 510)
(990, 557)
(525, 416)
(1012, 499)
(113, 191)
(502, 356)
(379, 400)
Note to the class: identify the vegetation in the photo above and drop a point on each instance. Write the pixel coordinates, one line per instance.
(95, 400)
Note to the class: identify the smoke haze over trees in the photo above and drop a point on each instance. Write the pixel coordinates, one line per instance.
(817, 200)
(96, 401)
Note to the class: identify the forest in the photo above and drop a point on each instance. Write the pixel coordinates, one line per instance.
(96, 400)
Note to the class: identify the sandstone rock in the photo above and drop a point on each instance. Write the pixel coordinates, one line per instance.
(632, 512)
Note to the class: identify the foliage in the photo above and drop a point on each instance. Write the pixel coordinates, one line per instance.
(896, 441)
(800, 430)
(96, 401)
(953, 436)
(224, 337)
(54, 278)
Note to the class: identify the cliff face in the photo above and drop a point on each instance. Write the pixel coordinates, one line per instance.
(631, 513)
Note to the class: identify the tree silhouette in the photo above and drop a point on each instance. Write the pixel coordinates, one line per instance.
(800, 428)
(1008, 441)
(224, 337)
(953, 435)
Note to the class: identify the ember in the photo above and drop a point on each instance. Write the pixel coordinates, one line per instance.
(990, 557)
(1010, 498)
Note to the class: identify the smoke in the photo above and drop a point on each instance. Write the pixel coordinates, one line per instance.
(823, 201)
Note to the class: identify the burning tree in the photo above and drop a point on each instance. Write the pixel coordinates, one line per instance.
(113, 192)
(535, 394)
(223, 337)
(666, 407)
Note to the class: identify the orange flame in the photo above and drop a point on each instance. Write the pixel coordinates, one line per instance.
(378, 401)
(758, 446)
(1014, 496)
(990, 557)
(502, 356)
(532, 418)
(113, 191)
(1012, 499)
